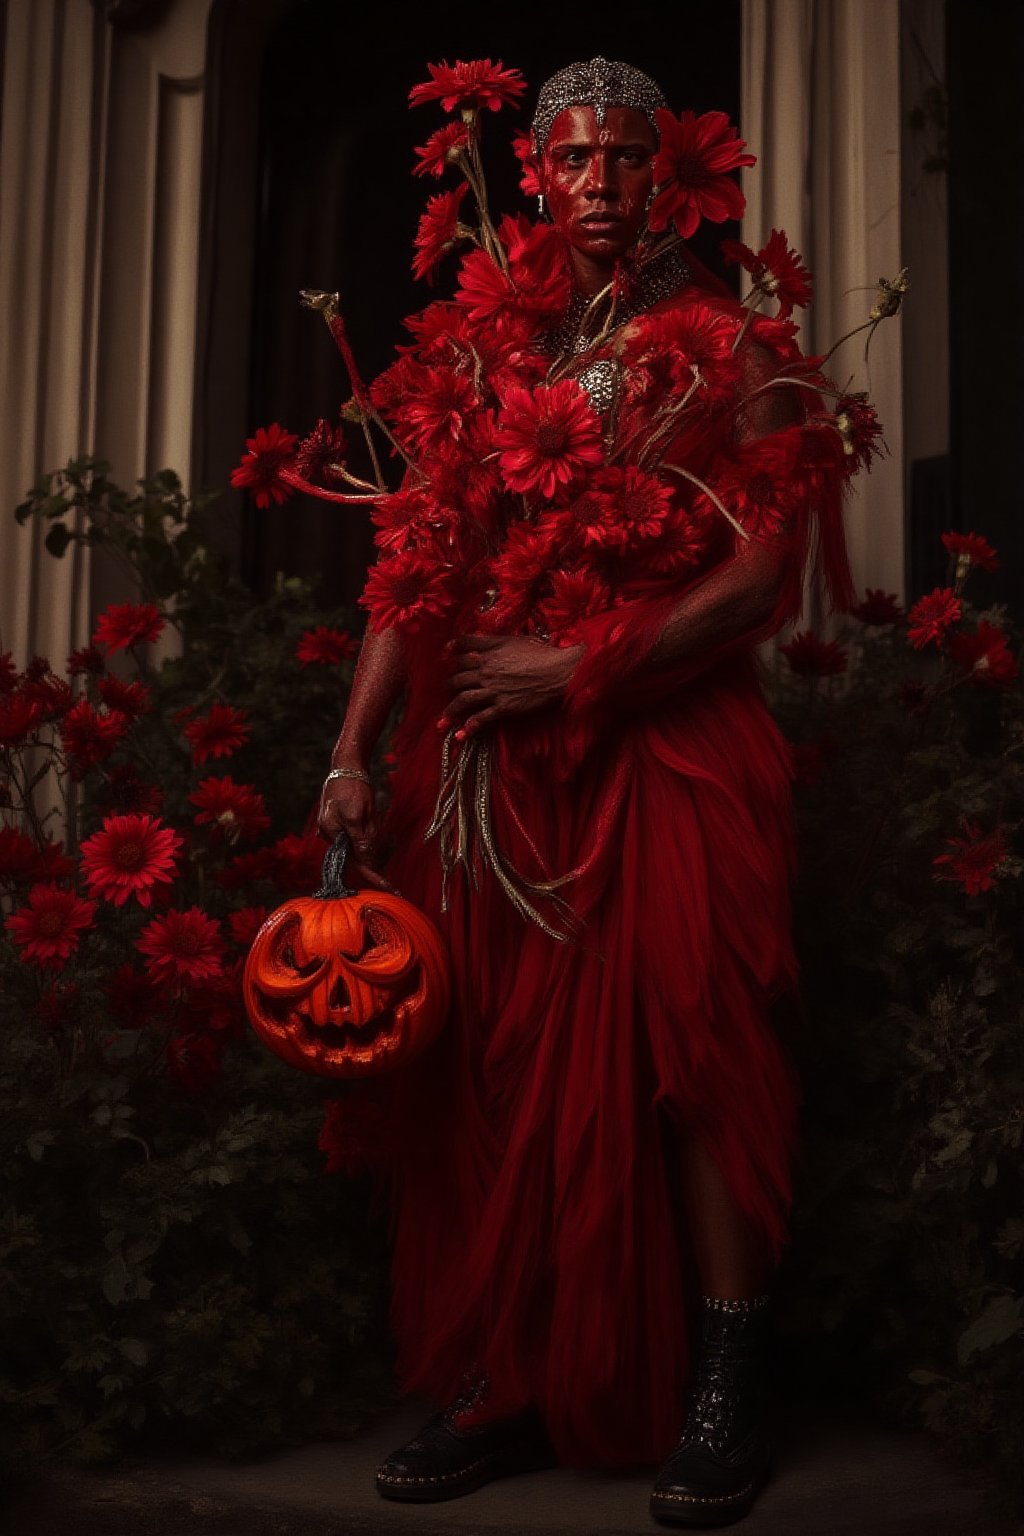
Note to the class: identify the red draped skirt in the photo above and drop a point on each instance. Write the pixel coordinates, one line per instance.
(537, 1226)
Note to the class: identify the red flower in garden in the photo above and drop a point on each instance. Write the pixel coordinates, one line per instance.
(217, 734)
(123, 625)
(48, 928)
(974, 860)
(244, 869)
(441, 149)
(321, 448)
(878, 608)
(130, 698)
(296, 862)
(325, 645)
(238, 810)
(128, 856)
(87, 660)
(19, 717)
(404, 590)
(522, 145)
(271, 450)
(860, 429)
(575, 595)
(549, 436)
(474, 84)
(932, 617)
(971, 549)
(21, 860)
(133, 996)
(90, 737)
(810, 656)
(776, 269)
(125, 790)
(986, 655)
(181, 947)
(438, 230)
(193, 1060)
(691, 171)
(245, 924)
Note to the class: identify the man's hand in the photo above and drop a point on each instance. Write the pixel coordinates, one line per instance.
(347, 805)
(497, 675)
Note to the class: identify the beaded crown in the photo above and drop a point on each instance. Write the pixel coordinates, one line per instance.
(599, 83)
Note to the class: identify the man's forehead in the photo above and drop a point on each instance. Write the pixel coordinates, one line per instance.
(579, 125)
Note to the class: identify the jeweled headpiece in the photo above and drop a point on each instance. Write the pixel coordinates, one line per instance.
(598, 83)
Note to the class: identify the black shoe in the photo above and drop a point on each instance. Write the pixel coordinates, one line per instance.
(724, 1454)
(445, 1461)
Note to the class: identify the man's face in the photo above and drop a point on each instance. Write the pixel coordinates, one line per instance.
(597, 178)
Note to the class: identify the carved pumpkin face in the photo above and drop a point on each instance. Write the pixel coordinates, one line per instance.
(347, 986)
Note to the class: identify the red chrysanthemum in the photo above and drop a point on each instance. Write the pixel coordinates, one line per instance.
(128, 856)
(52, 694)
(437, 231)
(181, 947)
(529, 181)
(87, 660)
(133, 997)
(90, 736)
(48, 928)
(575, 595)
(985, 655)
(123, 625)
(973, 861)
(777, 270)
(193, 1060)
(536, 289)
(129, 698)
(691, 171)
(441, 149)
(860, 429)
(760, 486)
(245, 924)
(271, 449)
(811, 656)
(433, 415)
(404, 590)
(19, 717)
(932, 617)
(217, 734)
(412, 519)
(693, 343)
(878, 608)
(549, 437)
(237, 810)
(472, 84)
(323, 447)
(971, 549)
(325, 646)
(636, 505)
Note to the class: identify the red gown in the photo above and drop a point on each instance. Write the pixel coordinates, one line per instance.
(538, 1229)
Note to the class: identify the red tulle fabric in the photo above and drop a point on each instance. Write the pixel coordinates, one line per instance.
(538, 1232)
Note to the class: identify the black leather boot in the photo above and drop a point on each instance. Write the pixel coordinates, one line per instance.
(452, 1455)
(723, 1457)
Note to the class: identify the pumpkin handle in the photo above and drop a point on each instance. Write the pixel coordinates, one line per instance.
(332, 878)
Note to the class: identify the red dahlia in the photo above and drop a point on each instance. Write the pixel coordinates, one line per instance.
(691, 171)
(810, 656)
(878, 608)
(441, 149)
(549, 437)
(325, 645)
(472, 85)
(777, 270)
(123, 625)
(974, 860)
(410, 519)
(971, 549)
(438, 230)
(90, 737)
(217, 734)
(237, 810)
(271, 450)
(932, 617)
(538, 285)
(403, 590)
(433, 416)
(48, 928)
(128, 857)
(668, 352)
(986, 655)
(181, 947)
(638, 506)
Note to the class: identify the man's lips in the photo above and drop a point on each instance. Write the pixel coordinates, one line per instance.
(602, 218)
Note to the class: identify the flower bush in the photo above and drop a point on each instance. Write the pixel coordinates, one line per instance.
(176, 1266)
(906, 1273)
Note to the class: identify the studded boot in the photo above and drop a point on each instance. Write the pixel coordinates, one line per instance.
(462, 1448)
(723, 1456)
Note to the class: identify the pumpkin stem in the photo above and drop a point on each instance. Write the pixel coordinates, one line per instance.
(332, 879)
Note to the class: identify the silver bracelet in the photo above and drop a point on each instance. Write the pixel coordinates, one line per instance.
(348, 773)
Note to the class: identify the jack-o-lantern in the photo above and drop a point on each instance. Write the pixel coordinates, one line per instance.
(347, 983)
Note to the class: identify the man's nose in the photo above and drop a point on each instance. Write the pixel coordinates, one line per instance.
(601, 183)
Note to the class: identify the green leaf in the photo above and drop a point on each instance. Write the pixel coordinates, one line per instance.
(1000, 1320)
(58, 539)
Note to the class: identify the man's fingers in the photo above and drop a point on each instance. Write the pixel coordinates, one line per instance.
(478, 721)
(365, 874)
